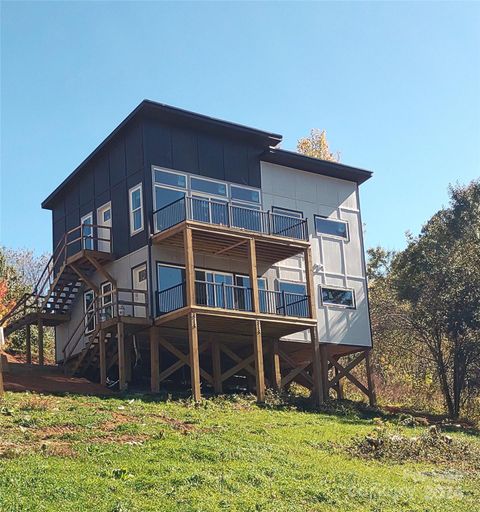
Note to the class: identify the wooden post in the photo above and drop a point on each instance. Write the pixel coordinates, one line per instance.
(193, 356)
(128, 359)
(276, 368)
(28, 344)
(318, 387)
(102, 358)
(339, 387)
(154, 360)
(189, 267)
(122, 380)
(258, 352)
(324, 371)
(253, 273)
(41, 358)
(217, 367)
(372, 397)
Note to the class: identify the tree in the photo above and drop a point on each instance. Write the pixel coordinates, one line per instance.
(437, 278)
(316, 145)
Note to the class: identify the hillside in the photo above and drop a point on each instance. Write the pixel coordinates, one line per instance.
(110, 454)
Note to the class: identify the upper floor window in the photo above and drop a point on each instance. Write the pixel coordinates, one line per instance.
(338, 297)
(136, 209)
(249, 195)
(216, 188)
(172, 179)
(324, 226)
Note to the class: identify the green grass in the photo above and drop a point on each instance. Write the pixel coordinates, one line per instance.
(77, 453)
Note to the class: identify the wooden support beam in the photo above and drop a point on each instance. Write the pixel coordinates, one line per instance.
(276, 367)
(102, 351)
(324, 370)
(343, 372)
(101, 269)
(253, 273)
(217, 367)
(122, 377)
(300, 368)
(240, 366)
(372, 396)
(230, 247)
(154, 360)
(84, 278)
(237, 359)
(128, 358)
(189, 268)
(339, 388)
(317, 368)
(258, 353)
(28, 344)
(193, 352)
(41, 357)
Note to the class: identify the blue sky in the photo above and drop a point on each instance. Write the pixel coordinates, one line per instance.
(396, 86)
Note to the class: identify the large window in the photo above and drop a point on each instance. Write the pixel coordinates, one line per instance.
(169, 199)
(136, 209)
(210, 187)
(248, 195)
(293, 300)
(287, 222)
(338, 297)
(324, 226)
(171, 288)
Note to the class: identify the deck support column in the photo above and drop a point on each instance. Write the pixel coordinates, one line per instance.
(189, 267)
(372, 397)
(253, 273)
(324, 371)
(122, 380)
(128, 358)
(340, 393)
(217, 368)
(276, 369)
(102, 358)
(259, 370)
(28, 344)
(194, 356)
(154, 360)
(41, 357)
(317, 368)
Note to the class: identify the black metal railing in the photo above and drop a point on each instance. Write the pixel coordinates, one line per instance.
(222, 213)
(171, 299)
(284, 303)
(233, 297)
(222, 295)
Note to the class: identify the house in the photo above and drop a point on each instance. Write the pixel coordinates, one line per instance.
(187, 248)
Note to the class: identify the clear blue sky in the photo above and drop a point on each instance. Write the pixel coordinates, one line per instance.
(396, 86)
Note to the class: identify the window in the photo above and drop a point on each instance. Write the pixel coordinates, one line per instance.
(338, 297)
(331, 227)
(291, 287)
(216, 188)
(170, 178)
(107, 301)
(89, 311)
(87, 231)
(171, 291)
(293, 300)
(244, 194)
(136, 209)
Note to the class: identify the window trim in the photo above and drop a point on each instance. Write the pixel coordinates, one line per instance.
(332, 304)
(86, 322)
(278, 281)
(168, 171)
(131, 211)
(246, 187)
(192, 191)
(340, 221)
(275, 208)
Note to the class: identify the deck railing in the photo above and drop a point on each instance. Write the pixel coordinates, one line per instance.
(221, 213)
(235, 298)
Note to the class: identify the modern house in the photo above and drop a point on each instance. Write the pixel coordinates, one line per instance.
(188, 249)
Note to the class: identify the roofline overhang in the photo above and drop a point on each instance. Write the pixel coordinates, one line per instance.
(315, 165)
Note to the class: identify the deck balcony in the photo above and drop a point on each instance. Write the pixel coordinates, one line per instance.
(220, 228)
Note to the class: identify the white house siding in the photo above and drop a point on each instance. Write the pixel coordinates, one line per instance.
(337, 262)
(121, 271)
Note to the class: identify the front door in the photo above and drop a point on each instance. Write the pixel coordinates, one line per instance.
(87, 231)
(104, 221)
(139, 278)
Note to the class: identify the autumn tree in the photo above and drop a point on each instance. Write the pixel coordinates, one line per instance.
(316, 146)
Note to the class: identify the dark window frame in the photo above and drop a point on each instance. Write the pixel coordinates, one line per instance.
(333, 304)
(339, 237)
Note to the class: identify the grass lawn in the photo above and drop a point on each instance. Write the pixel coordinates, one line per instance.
(79, 453)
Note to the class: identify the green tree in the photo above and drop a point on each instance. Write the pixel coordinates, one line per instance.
(438, 279)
